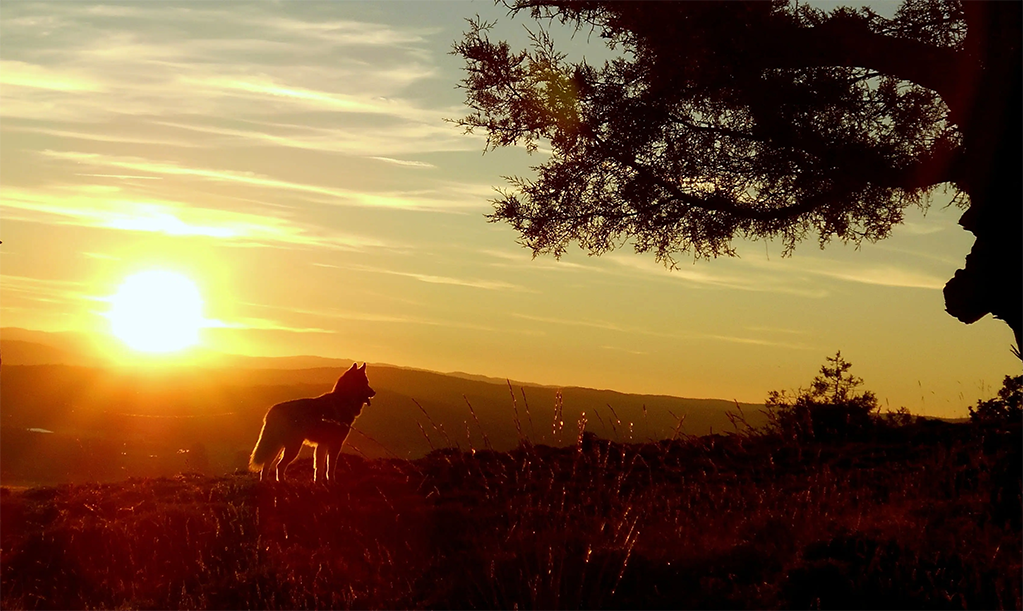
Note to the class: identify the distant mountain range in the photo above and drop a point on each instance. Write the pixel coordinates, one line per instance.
(29, 347)
(106, 422)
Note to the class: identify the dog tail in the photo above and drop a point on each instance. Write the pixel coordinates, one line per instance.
(265, 451)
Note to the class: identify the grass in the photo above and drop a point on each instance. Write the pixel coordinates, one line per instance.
(923, 516)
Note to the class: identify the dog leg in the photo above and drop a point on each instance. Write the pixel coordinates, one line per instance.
(290, 454)
(320, 463)
(334, 455)
(270, 465)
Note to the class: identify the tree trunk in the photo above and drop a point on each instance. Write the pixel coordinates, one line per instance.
(990, 120)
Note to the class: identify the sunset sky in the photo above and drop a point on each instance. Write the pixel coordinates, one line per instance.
(292, 160)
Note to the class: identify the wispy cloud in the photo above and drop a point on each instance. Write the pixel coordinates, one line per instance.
(101, 256)
(405, 162)
(711, 276)
(100, 136)
(522, 259)
(949, 261)
(377, 317)
(479, 284)
(33, 76)
(625, 350)
(252, 179)
(43, 291)
(272, 90)
(632, 330)
(262, 324)
(863, 273)
(924, 226)
(575, 322)
(777, 330)
(755, 341)
(110, 208)
(492, 285)
(352, 138)
(99, 65)
(121, 176)
(786, 276)
(343, 32)
(886, 275)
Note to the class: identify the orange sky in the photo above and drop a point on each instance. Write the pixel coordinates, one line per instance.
(292, 160)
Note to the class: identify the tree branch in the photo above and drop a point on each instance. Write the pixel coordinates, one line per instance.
(848, 41)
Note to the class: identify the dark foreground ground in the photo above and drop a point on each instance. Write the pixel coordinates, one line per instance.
(923, 517)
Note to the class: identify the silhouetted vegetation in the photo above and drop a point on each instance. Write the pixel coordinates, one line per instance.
(1006, 408)
(810, 507)
(927, 517)
(725, 120)
(829, 410)
(63, 424)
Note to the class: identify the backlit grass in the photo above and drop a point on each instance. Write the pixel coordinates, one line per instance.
(924, 516)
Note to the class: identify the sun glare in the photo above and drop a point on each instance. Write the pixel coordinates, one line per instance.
(157, 311)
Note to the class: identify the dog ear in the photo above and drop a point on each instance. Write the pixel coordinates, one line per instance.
(363, 368)
(352, 367)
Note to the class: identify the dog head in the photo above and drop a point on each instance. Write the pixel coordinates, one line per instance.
(354, 385)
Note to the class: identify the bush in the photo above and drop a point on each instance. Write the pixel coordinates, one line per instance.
(829, 410)
(1006, 408)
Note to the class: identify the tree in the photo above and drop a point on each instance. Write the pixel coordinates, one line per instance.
(725, 120)
(1006, 408)
(830, 409)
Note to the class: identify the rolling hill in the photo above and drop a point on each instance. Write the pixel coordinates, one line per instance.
(74, 422)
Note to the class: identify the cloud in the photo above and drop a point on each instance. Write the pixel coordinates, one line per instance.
(315, 99)
(405, 162)
(96, 65)
(660, 334)
(343, 32)
(262, 324)
(592, 324)
(99, 136)
(111, 208)
(121, 176)
(862, 273)
(101, 256)
(625, 350)
(758, 342)
(740, 277)
(335, 195)
(886, 275)
(946, 261)
(523, 259)
(40, 290)
(353, 139)
(922, 227)
(376, 317)
(786, 276)
(23, 74)
(491, 285)
(777, 330)
(479, 284)
(158, 75)
(609, 326)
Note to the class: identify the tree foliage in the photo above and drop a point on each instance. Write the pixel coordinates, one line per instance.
(1006, 408)
(742, 120)
(830, 409)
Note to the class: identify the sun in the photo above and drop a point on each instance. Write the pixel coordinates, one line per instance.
(157, 311)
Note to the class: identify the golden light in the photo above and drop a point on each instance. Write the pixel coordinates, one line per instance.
(157, 311)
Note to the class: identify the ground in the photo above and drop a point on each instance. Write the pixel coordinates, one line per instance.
(923, 516)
